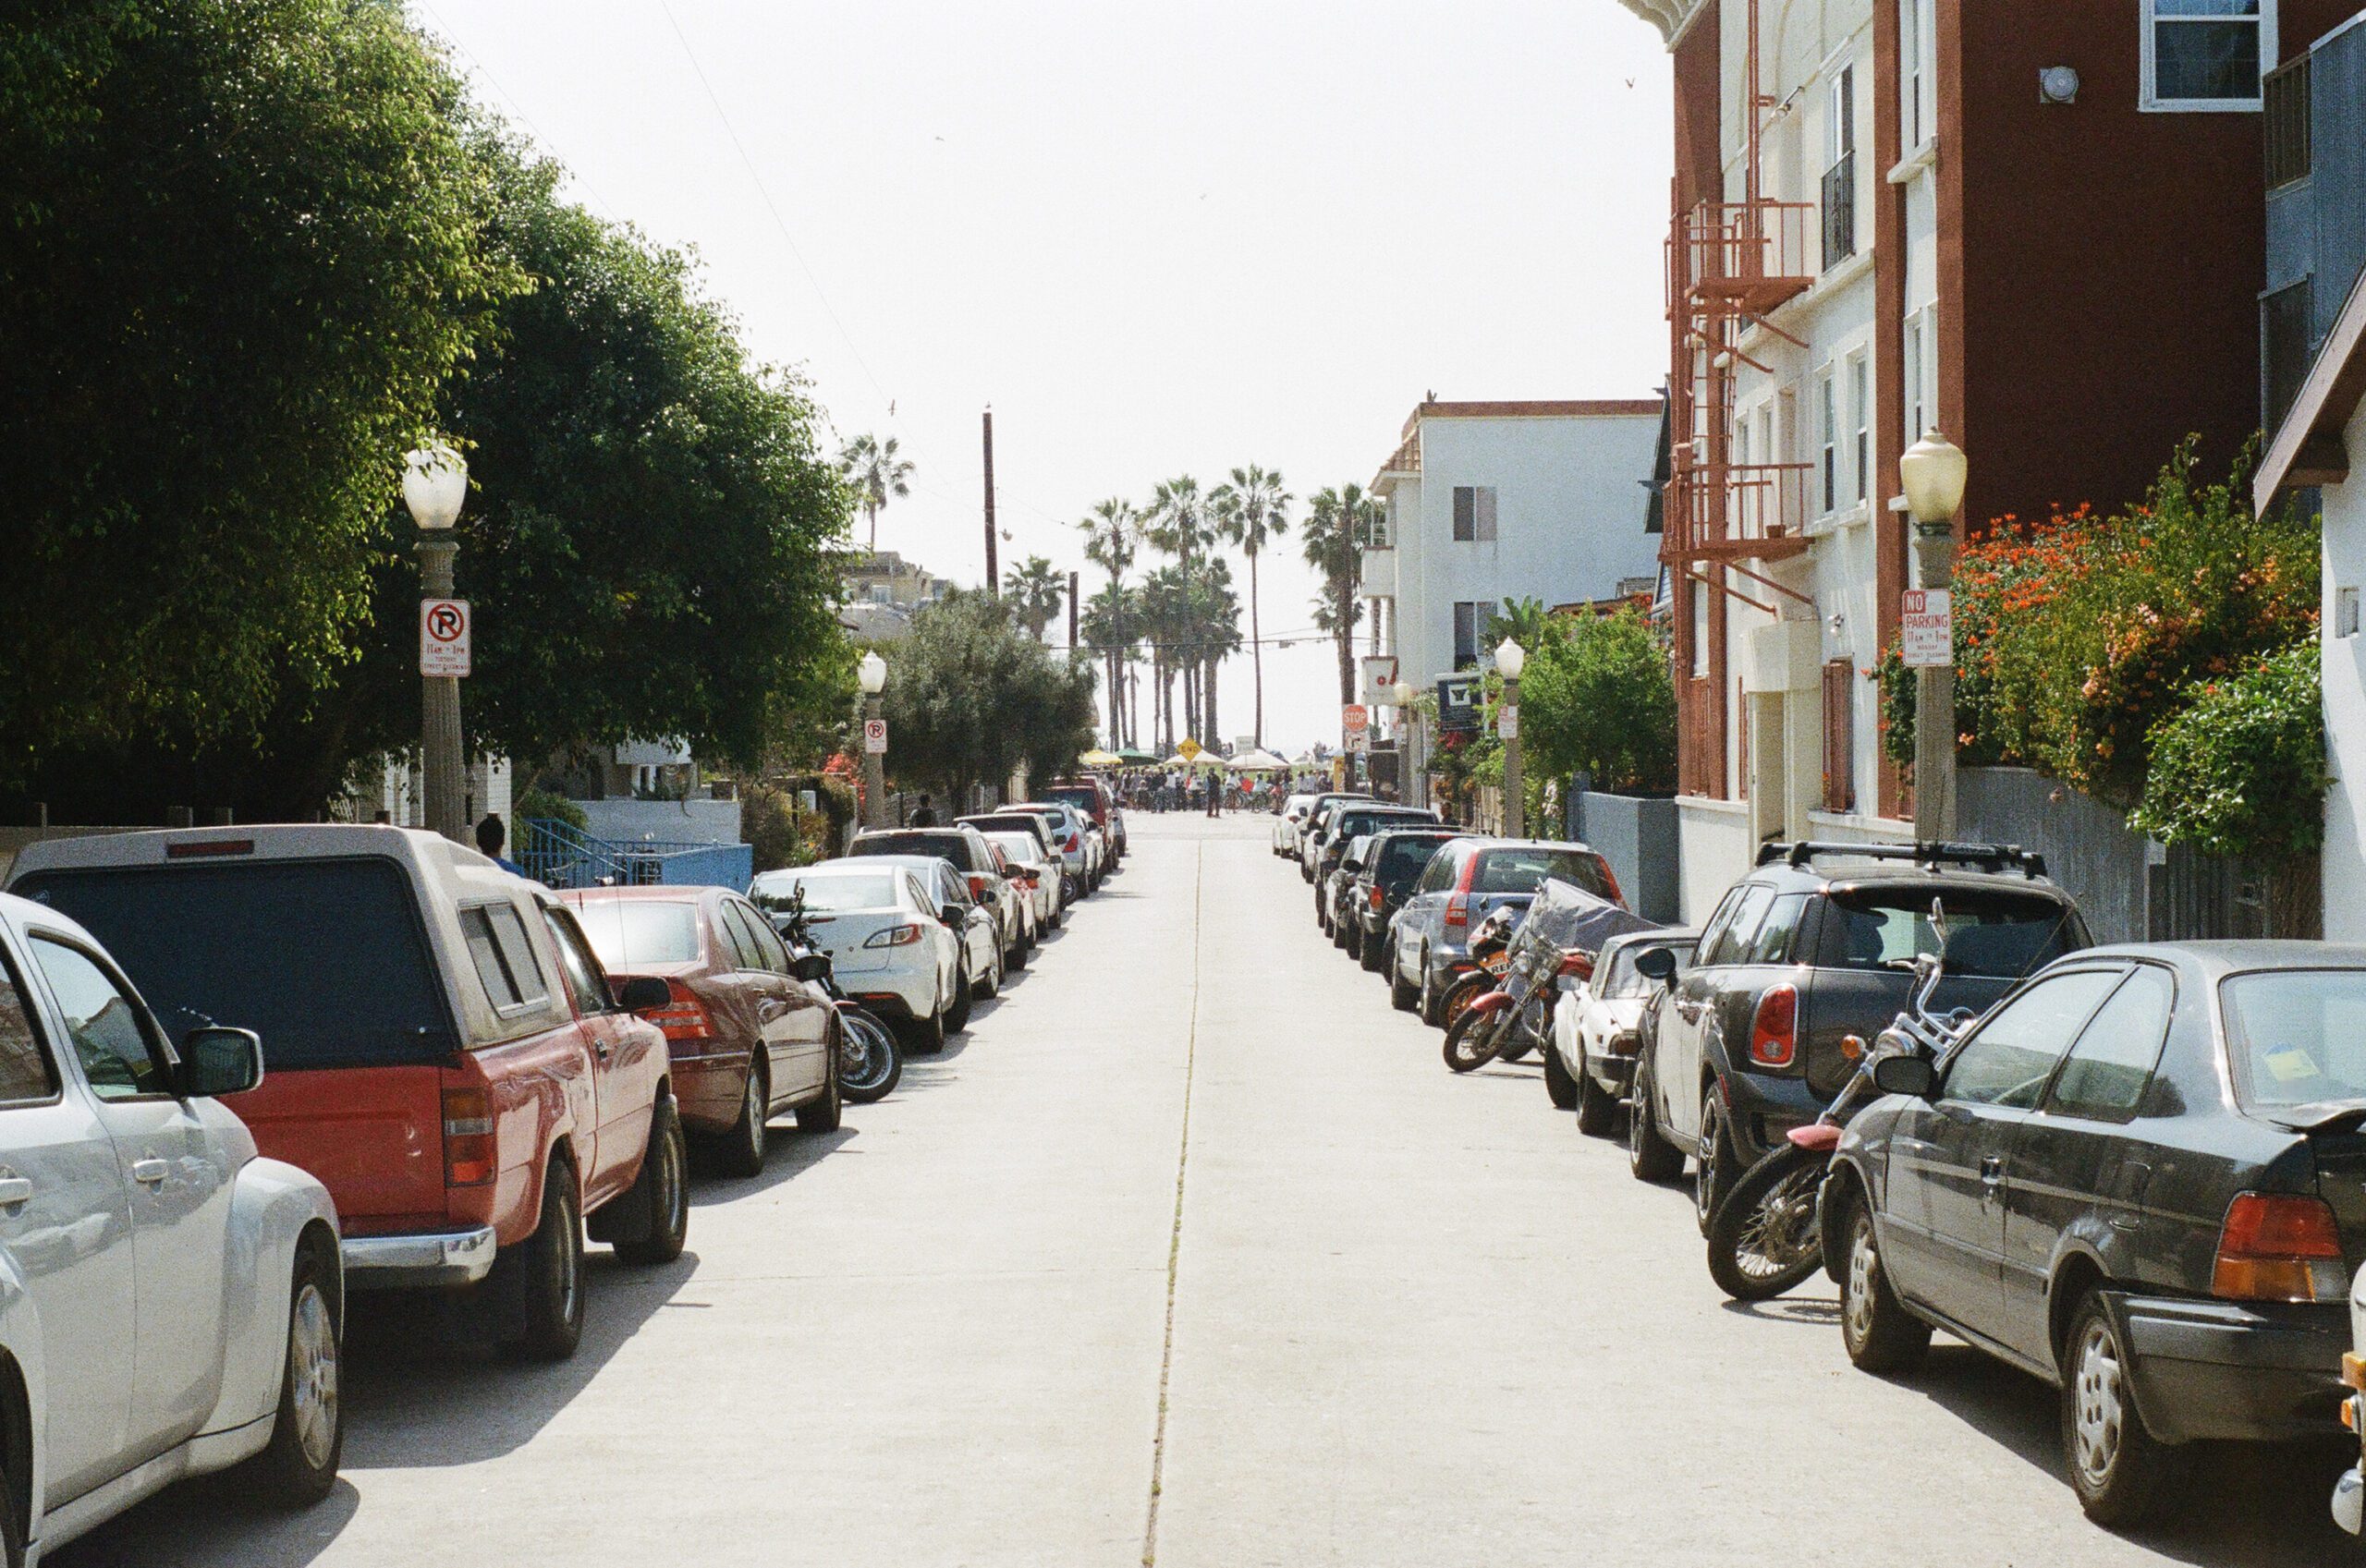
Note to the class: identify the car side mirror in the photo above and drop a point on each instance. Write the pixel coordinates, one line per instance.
(1915, 1075)
(1656, 964)
(950, 915)
(813, 967)
(217, 1061)
(641, 993)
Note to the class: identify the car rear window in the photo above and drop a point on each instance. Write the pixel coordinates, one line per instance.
(1990, 935)
(630, 932)
(1519, 870)
(1626, 982)
(1082, 796)
(832, 893)
(1018, 846)
(324, 959)
(2297, 1035)
(943, 847)
(1405, 857)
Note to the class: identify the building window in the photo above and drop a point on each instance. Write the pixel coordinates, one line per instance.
(1840, 170)
(1474, 513)
(1698, 591)
(1917, 358)
(2345, 611)
(1860, 460)
(1839, 736)
(1916, 36)
(1466, 632)
(1827, 436)
(2202, 54)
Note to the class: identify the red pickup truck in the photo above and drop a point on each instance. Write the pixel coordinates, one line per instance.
(441, 1048)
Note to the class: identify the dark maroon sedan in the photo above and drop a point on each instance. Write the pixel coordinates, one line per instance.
(732, 991)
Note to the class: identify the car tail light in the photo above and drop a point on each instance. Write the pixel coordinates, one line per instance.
(684, 1016)
(894, 936)
(978, 881)
(1458, 911)
(1379, 899)
(2277, 1246)
(467, 1136)
(1577, 962)
(1075, 841)
(1773, 1033)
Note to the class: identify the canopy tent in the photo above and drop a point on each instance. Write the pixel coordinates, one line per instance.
(1206, 760)
(1131, 757)
(1097, 758)
(1257, 762)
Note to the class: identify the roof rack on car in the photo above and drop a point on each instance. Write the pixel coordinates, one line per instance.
(1989, 856)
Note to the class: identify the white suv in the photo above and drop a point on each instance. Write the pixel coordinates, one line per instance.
(171, 1302)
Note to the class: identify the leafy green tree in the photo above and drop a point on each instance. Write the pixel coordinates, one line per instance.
(245, 248)
(877, 474)
(1037, 590)
(1597, 699)
(1252, 510)
(2241, 770)
(971, 697)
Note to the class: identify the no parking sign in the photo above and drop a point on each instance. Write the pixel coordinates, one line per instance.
(443, 637)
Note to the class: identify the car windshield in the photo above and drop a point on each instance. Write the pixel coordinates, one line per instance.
(1082, 796)
(1990, 935)
(943, 847)
(828, 894)
(1018, 846)
(2297, 1035)
(1009, 822)
(1625, 981)
(630, 932)
(1405, 857)
(1519, 870)
(324, 959)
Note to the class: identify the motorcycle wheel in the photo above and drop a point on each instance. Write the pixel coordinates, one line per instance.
(870, 1062)
(1471, 1040)
(1461, 994)
(1767, 1236)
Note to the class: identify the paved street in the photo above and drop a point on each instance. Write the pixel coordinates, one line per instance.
(1397, 1317)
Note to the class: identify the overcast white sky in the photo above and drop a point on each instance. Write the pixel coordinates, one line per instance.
(1157, 239)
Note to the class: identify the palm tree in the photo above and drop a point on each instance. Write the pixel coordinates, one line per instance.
(1166, 620)
(1176, 521)
(1107, 625)
(1036, 591)
(1216, 632)
(876, 475)
(1250, 510)
(1337, 523)
(1111, 535)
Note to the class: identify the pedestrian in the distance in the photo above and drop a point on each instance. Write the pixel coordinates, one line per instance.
(491, 838)
(923, 815)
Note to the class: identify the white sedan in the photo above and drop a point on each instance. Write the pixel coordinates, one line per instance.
(171, 1301)
(1590, 1063)
(1026, 854)
(1286, 823)
(888, 947)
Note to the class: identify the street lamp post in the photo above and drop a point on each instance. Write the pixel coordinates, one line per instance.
(1510, 659)
(436, 483)
(872, 672)
(1932, 472)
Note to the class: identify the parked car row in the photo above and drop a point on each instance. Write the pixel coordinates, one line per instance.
(247, 1074)
(2137, 1173)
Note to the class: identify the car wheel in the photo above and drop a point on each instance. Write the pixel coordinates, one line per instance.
(990, 982)
(662, 1191)
(926, 1035)
(1597, 1107)
(824, 1113)
(1876, 1330)
(1351, 939)
(1432, 1004)
(742, 1151)
(1403, 994)
(12, 1529)
(1649, 1155)
(957, 1013)
(1370, 951)
(298, 1466)
(1559, 1087)
(1017, 957)
(1070, 890)
(1719, 1161)
(549, 1264)
(2123, 1475)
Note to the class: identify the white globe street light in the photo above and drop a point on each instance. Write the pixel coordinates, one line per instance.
(1510, 659)
(1932, 472)
(435, 484)
(873, 673)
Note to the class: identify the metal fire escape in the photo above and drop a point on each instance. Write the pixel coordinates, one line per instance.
(1730, 266)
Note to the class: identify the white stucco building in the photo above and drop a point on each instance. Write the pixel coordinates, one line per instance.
(1487, 501)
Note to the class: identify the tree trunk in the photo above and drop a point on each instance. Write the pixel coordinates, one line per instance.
(1343, 609)
(1256, 661)
(872, 511)
(1208, 705)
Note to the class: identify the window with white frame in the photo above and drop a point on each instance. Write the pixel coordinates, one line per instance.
(1917, 49)
(1917, 419)
(1860, 456)
(1469, 624)
(1827, 438)
(2205, 54)
(1698, 591)
(1474, 513)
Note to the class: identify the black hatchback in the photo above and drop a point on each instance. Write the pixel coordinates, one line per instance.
(2138, 1178)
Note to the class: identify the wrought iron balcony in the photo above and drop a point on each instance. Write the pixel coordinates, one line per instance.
(1751, 256)
(1736, 512)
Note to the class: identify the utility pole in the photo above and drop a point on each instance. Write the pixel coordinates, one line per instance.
(1072, 642)
(994, 574)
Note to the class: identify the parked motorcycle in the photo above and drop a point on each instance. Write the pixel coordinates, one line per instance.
(1490, 953)
(870, 1062)
(1558, 937)
(1767, 1237)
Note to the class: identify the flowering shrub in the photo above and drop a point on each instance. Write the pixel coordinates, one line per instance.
(2078, 637)
(2242, 769)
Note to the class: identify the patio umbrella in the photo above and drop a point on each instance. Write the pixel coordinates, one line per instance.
(1097, 758)
(1257, 762)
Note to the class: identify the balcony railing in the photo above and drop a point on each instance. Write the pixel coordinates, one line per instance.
(1840, 211)
(1750, 255)
(1737, 512)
